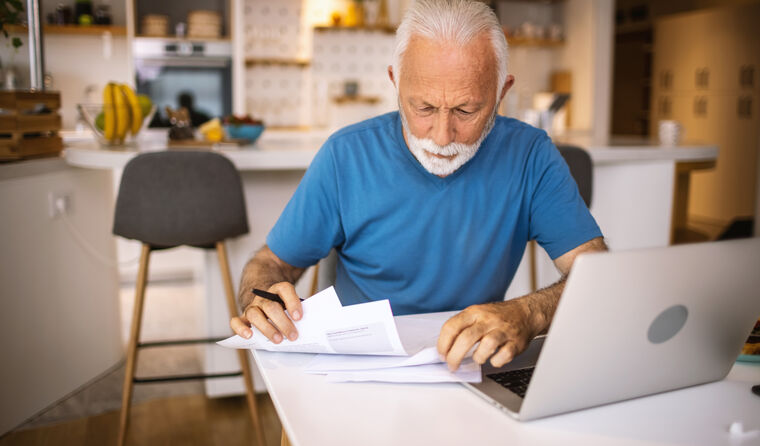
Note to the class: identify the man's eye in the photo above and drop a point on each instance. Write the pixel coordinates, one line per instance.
(463, 112)
(426, 109)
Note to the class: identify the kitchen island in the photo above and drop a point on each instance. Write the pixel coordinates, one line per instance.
(633, 202)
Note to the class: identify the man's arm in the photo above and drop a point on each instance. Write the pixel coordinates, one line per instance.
(504, 329)
(268, 272)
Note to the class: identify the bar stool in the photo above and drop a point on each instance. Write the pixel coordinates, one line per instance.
(581, 168)
(173, 198)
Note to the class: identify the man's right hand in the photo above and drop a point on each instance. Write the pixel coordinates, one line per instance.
(269, 317)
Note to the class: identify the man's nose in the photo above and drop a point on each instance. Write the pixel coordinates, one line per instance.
(443, 129)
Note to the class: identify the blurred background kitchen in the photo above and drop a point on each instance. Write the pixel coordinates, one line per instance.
(664, 95)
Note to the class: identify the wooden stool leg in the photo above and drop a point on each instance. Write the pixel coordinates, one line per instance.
(533, 266)
(134, 337)
(284, 441)
(315, 280)
(221, 251)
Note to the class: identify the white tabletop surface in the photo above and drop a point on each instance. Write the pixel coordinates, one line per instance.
(314, 412)
(294, 150)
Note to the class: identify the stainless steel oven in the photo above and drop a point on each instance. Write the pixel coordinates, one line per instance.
(176, 73)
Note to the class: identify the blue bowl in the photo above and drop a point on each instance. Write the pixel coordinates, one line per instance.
(248, 132)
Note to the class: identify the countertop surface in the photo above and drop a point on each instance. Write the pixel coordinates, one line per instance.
(294, 150)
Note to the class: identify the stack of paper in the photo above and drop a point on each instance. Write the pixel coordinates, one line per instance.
(364, 343)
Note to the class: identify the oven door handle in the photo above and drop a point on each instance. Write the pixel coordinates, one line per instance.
(202, 62)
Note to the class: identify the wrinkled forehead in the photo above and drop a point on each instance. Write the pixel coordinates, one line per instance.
(449, 64)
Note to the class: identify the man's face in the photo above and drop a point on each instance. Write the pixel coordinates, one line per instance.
(447, 98)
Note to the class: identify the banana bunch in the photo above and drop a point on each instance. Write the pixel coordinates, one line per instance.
(122, 112)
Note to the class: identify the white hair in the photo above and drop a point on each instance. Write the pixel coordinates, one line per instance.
(455, 21)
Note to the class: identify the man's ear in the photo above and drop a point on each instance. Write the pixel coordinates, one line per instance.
(507, 85)
(390, 76)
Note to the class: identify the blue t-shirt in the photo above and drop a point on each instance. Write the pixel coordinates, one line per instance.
(424, 242)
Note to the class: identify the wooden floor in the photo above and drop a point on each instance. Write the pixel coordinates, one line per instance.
(187, 420)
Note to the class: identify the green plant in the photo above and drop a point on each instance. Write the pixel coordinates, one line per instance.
(10, 14)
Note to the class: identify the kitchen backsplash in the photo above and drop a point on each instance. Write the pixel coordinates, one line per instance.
(295, 73)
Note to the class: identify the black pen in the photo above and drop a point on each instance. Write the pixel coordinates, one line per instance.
(267, 295)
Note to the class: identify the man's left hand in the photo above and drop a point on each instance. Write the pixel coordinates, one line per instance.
(503, 329)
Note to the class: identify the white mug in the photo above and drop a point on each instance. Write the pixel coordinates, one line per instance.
(670, 133)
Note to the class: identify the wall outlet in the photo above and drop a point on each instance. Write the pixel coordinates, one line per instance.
(58, 204)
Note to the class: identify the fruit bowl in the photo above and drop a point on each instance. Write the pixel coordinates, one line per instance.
(249, 132)
(94, 115)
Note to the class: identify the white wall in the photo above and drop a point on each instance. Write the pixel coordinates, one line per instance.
(757, 194)
(75, 63)
(532, 68)
(59, 314)
(588, 55)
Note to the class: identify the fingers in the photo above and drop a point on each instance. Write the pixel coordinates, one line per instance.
(269, 317)
(488, 346)
(506, 353)
(451, 330)
(241, 327)
(499, 329)
(276, 314)
(463, 343)
(287, 293)
(262, 323)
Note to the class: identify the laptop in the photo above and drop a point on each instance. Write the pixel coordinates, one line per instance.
(635, 323)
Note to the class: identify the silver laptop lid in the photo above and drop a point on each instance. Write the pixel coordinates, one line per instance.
(641, 322)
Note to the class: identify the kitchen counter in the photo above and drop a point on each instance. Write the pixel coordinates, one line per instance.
(294, 150)
(633, 149)
(59, 312)
(275, 150)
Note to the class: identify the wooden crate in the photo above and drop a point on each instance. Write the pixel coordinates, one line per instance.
(24, 131)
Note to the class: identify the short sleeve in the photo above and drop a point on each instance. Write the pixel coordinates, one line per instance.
(559, 219)
(310, 225)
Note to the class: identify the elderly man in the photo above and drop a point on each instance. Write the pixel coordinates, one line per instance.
(431, 206)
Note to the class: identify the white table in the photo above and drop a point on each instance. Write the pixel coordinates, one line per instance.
(314, 412)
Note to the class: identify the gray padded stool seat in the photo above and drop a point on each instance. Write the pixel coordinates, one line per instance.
(174, 198)
(168, 199)
(581, 168)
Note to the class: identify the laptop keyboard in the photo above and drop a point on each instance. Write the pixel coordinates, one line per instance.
(514, 380)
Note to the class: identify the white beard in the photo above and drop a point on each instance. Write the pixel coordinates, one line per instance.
(422, 148)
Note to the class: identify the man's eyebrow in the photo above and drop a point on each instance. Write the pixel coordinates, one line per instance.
(417, 102)
(421, 102)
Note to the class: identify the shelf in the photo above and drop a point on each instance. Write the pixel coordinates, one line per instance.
(524, 41)
(356, 100)
(182, 39)
(251, 61)
(75, 30)
(515, 41)
(388, 29)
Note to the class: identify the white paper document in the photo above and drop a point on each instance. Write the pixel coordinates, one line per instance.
(418, 336)
(423, 365)
(468, 371)
(364, 342)
(328, 327)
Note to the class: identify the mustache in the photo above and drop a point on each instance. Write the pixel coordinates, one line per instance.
(450, 149)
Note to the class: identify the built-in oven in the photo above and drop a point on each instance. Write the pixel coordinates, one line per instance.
(177, 73)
